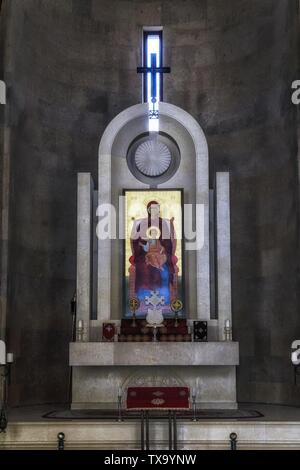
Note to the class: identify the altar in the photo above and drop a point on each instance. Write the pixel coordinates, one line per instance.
(133, 159)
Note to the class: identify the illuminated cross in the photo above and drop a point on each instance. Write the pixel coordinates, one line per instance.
(153, 70)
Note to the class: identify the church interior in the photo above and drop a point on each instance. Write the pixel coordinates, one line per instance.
(149, 224)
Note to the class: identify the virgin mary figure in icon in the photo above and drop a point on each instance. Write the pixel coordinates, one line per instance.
(153, 264)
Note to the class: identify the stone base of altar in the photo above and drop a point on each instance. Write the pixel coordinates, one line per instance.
(97, 387)
(101, 369)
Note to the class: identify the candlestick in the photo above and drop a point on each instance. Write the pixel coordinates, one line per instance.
(227, 331)
(120, 405)
(80, 330)
(194, 418)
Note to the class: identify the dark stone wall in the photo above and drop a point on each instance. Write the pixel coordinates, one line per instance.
(72, 68)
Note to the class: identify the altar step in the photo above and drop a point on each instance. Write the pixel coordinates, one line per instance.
(278, 429)
(126, 436)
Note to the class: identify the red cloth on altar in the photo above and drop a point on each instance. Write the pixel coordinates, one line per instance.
(141, 325)
(149, 398)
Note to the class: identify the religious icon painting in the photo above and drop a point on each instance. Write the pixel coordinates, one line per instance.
(108, 331)
(153, 254)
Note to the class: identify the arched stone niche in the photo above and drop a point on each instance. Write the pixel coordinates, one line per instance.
(191, 175)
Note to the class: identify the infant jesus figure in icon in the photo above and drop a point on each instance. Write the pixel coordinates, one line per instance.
(155, 252)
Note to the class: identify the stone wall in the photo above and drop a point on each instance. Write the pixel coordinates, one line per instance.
(72, 68)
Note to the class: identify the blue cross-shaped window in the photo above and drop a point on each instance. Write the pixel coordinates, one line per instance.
(153, 69)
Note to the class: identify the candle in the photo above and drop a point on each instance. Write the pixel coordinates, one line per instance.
(2, 353)
(193, 392)
(119, 392)
(227, 323)
(295, 357)
(80, 324)
(9, 358)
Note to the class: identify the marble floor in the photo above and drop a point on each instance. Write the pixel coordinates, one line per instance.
(269, 412)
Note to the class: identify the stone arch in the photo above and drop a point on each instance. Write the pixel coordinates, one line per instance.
(202, 198)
